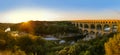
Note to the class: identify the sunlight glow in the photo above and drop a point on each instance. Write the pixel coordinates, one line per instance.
(23, 15)
(26, 14)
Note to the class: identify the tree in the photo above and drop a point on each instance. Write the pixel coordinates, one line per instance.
(6, 40)
(27, 27)
(112, 47)
(31, 44)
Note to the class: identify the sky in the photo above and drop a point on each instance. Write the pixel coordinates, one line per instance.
(50, 10)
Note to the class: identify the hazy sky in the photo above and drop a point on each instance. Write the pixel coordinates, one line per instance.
(24, 10)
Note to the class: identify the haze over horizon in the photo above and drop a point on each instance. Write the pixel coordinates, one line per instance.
(51, 10)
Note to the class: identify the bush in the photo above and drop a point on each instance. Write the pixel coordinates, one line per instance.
(112, 47)
(6, 41)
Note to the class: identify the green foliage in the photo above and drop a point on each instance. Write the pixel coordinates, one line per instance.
(46, 27)
(31, 44)
(35, 45)
(91, 47)
(87, 53)
(27, 44)
(6, 40)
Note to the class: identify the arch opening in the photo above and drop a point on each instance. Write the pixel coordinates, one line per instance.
(106, 28)
(92, 35)
(99, 27)
(86, 26)
(92, 32)
(92, 26)
(77, 24)
(85, 32)
(114, 27)
(98, 34)
(81, 25)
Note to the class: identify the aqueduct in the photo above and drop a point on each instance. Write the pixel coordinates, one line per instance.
(93, 28)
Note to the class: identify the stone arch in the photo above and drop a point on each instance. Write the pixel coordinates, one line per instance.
(77, 24)
(86, 26)
(80, 30)
(92, 26)
(98, 34)
(92, 32)
(81, 25)
(85, 32)
(106, 28)
(114, 27)
(99, 27)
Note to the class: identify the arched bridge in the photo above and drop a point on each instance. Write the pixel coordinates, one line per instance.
(93, 28)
